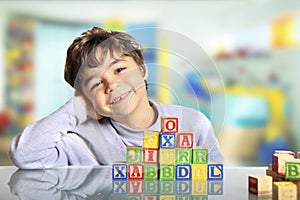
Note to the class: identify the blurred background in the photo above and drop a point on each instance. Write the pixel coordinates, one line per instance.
(249, 87)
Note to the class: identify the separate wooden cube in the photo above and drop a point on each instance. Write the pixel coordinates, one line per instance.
(260, 184)
(284, 190)
(278, 160)
(151, 140)
(292, 170)
(134, 155)
(185, 140)
(168, 140)
(183, 171)
(215, 171)
(183, 155)
(136, 171)
(167, 156)
(119, 171)
(199, 172)
(169, 125)
(150, 171)
(200, 155)
(150, 156)
(167, 172)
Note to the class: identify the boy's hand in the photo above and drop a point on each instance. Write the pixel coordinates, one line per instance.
(90, 111)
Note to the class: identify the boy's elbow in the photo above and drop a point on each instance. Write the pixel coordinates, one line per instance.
(20, 160)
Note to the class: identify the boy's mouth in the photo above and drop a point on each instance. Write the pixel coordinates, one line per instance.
(120, 98)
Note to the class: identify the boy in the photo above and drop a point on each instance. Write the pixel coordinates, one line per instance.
(110, 109)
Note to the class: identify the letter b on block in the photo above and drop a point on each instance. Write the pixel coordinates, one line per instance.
(169, 124)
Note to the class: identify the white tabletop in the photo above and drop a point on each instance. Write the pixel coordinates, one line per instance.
(77, 183)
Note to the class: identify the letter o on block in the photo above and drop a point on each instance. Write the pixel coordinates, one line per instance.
(169, 124)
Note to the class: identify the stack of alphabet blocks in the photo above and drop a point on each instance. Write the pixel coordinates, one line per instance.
(282, 178)
(167, 155)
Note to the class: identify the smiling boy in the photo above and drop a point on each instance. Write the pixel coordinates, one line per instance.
(110, 109)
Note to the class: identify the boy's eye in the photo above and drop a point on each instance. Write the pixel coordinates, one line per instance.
(96, 85)
(120, 69)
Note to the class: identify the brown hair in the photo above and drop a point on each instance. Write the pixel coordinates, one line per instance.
(84, 52)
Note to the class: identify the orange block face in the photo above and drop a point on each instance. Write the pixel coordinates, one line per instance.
(169, 124)
(185, 140)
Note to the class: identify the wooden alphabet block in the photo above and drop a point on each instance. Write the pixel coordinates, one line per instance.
(200, 155)
(150, 156)
(278, 160)
(284, 190)
(292, 170)
(135, 187)
(183, 171)
(183, 155)
(215, 171)
(260, 184)
(151, 140)
(150, 197)
(167, 156)
(298, 154)
(185, 140)
(169, 125)
(136, 172)
(119, 171)
(167, 172)
(183, 188)
(168, 140)
(199, 172)
(134, 155)
(150, 171)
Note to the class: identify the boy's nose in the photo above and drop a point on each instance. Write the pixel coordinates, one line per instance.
(111, 85)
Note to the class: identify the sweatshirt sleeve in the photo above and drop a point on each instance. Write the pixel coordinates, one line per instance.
(42, 144)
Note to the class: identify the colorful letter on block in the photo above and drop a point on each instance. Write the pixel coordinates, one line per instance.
(183, 188)
(134, 155)
(284, 190)
(167, 156)
(167, 140)
(200, 155)
(260, 184)
(215, 187)
(151, 140)
(292, 170)
(169, 124)
(183, 172)
(183, 156)
(167, 172)
(199, 171)
(135, 187)
(151, 172)
(150, 156)
(119, 187)
(215, 171)
(119, 171)
(185, 140)
(136, 171)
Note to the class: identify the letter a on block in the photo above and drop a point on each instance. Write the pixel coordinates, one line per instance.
(169, 124)
(185, 140)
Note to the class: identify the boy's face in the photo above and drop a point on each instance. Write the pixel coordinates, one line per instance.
(116, 88)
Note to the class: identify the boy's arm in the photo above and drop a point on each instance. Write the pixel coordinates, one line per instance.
(46, 143)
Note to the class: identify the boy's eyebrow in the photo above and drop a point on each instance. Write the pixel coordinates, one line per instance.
(111, 64)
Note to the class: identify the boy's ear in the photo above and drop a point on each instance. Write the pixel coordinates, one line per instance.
(144, 71)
